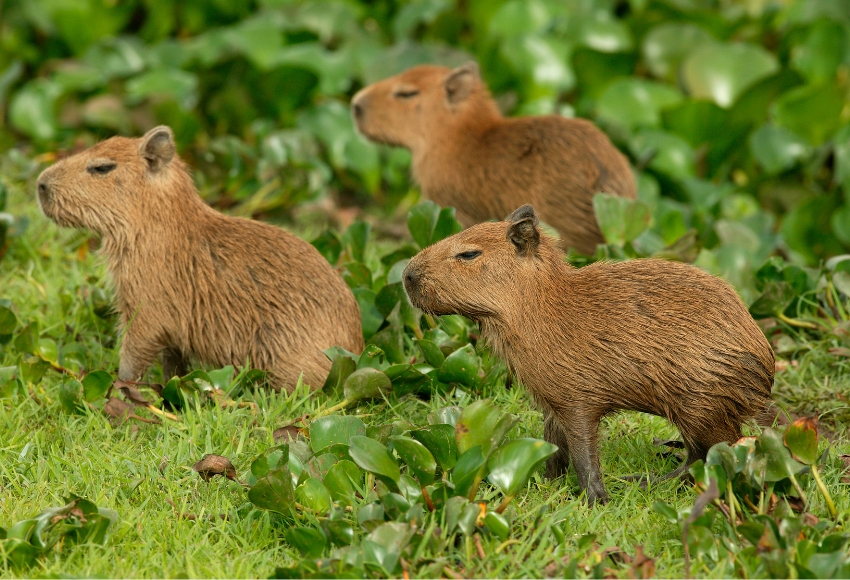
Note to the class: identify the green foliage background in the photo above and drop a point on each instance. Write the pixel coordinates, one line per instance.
(735, 113)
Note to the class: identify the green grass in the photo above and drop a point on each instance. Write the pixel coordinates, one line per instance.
(139, 470)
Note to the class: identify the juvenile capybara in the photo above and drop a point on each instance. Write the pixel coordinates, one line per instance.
(646, 335)
(192, 282)
(468, 156)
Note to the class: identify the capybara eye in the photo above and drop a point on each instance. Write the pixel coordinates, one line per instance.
(406, 93)
(469, 255)
(101, 169)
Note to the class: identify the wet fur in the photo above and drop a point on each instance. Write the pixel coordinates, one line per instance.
(645, 335)
(466, 155)
(191, 282)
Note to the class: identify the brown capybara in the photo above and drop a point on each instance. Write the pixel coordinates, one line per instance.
(468, 156)
(191, 282)
(646, 335)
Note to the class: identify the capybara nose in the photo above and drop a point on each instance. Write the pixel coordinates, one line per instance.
(42, 190)
(411, 277)
(357, 110)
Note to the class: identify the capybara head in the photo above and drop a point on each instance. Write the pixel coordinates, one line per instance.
(481, 271)
(108, 186)
(405, 110)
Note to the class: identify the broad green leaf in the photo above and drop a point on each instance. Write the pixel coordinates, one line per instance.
(432, 353)
(70, 395)
(497, 524)
(811, 111)
(357, 275)
(445, 415)
(340, 532)
(428, 223)
(636, 102)
(621, 220)
(819, 55)
(777, 149)
(355, 239)
(481, 424)
(32, 109)
(366, 383)
(269, 460)
(343, 480)
(370, 516)
(780, 463)
(440, 441)
(386, 543)
(341, 369)
(411, 15)
(309, 541)
(723, 71)
(374, 457)
(468, 471)
(667, 44)
(95, 385)
(259, 39)
(178, 84)
(329, 246)
(334, 429)
(801, 438)
(371, 319)
(273, 492)
(8, 321)
(407, 379)
(461, 367)
(372, 357)
(667, 153)
(419, 460)
(773, 300)
(314, 495)
(513, 463)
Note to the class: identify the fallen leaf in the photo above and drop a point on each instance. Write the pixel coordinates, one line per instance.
(286, 434)
(212, 465)
(642, 566)
(132, 393)
(782, 365)
(118, 410)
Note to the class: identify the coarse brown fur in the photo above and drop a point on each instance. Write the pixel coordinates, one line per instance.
(191, 282)
(468, 156)
(646, 335)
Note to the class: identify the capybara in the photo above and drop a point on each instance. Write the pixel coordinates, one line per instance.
(192, 282)
(467, 155)
(646, 335)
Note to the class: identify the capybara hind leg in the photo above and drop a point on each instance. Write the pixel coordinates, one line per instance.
(558, 464)
(174, 364)
(581, 435)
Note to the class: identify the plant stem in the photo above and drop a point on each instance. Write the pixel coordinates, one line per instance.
(731, 497)
(798, 488)
(428, 502)
(504, 504)
(341, 405)
(797, 322)
(830, 505)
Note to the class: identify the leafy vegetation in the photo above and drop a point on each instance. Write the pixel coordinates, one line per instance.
(414, 459)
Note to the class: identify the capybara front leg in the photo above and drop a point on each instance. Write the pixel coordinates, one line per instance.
(580, 429)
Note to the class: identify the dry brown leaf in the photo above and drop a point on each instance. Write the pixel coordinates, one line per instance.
(118, 410)
(286, 434)
(642, 566)
(212, 465)
(132, 393)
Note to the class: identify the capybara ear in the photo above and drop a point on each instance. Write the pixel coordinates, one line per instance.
(523, 212)
(523, 232)
(461, 81)
(158, 147)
